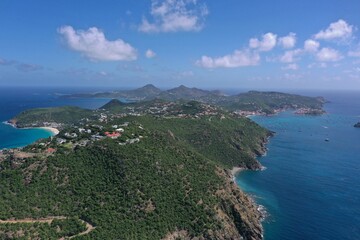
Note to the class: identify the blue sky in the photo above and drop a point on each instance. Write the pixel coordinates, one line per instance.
(212, 44)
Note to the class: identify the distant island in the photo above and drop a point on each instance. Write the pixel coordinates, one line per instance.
(157, 168)
(250, 103)
(357, 125)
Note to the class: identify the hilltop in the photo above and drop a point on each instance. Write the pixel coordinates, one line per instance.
(186, 93)
(114, 105)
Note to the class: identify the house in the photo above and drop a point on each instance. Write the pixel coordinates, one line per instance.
(70, 135)
(50, 150)
(83, 130)
(60, 140)
(121, 130)
(113, 135)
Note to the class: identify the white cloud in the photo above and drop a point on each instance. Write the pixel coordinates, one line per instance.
(267, 42)
(292, 66)
(93, 45)
(337, 30)
(311, 45)
(290, 56)
(288, 41)
(237, 59)
(174, 16)
(150, 53)
(328, 55)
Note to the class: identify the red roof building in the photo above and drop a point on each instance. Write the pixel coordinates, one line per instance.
(50, 150)
(113, 134)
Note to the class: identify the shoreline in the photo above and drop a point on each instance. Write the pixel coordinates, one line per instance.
(234, 172)
(54, 131)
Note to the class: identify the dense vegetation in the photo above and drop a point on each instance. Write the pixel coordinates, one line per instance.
(66, 115)
(163, 177)
(268, 101)
(228, 141)
(172, 183)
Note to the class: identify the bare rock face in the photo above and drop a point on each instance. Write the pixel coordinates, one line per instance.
(239, 214)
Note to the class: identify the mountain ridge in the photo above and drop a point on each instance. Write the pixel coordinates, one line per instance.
(268, 102)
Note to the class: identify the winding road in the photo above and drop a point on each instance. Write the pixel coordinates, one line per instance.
(49, 220)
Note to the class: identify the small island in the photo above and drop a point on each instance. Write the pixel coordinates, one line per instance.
(357, 125)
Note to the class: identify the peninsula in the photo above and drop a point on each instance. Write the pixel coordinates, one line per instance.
(154, 169)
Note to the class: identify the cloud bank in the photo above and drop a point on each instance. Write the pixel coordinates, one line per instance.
(93, 44)
(236, 59)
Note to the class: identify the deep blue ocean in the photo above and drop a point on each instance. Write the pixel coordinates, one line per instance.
(311, 187)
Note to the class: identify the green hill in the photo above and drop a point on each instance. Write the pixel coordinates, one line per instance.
(172, 183)
(186, 93)
(114, 105)
(227, 141)
(269, 101)
(36, 117)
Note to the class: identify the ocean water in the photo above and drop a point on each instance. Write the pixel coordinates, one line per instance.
(15, 100)
(311, 187)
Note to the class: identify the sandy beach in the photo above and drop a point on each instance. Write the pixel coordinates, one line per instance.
(54, 131)
(236, 170)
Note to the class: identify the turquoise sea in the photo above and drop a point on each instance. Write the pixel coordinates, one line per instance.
(311, 187)
(15, 100)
